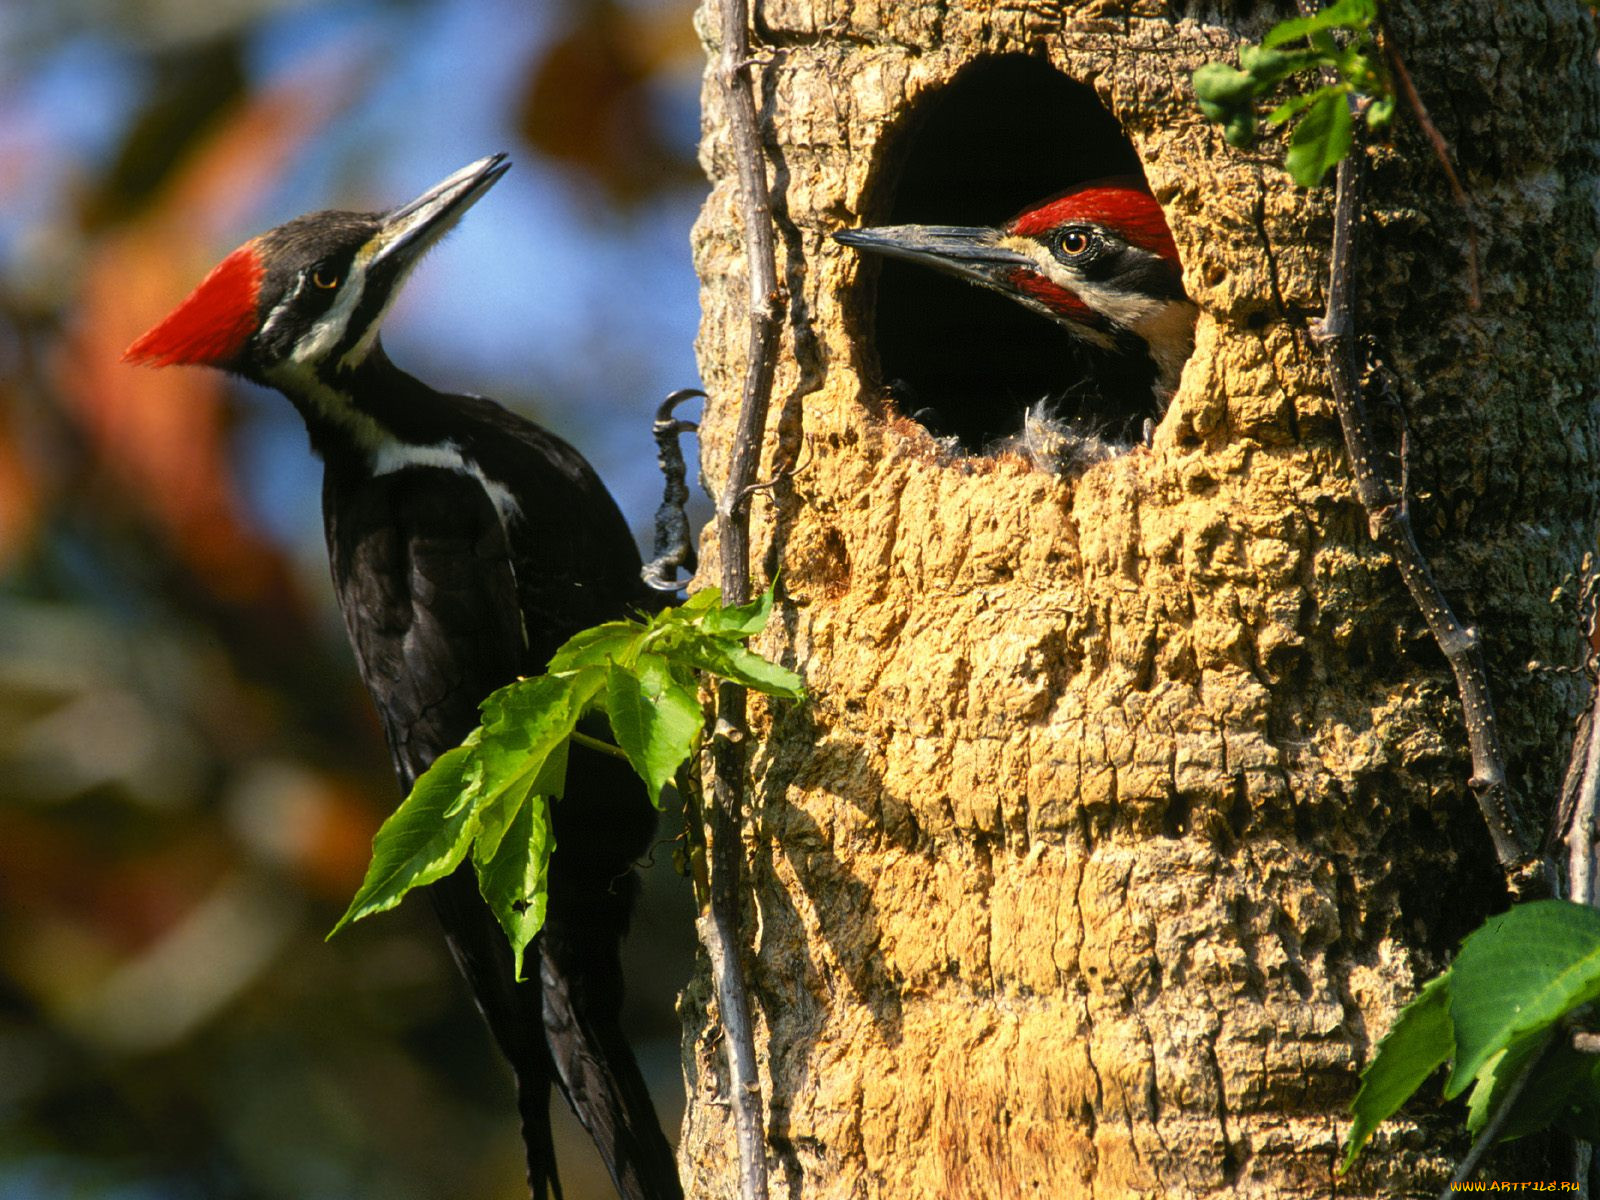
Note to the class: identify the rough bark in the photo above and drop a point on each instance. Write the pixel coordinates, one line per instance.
(1128, 810)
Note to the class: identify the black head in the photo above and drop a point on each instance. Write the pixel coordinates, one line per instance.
(307, 299)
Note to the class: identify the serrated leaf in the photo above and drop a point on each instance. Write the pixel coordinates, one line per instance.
(596, 647)
(1320, 140)
(419, 843)
(1417, 1044)
(496, 814)
(494, 818)
(737, 664)
(1522, 972)
(1355, 15)
(526, 721)
(705, 598)
(1561, 1087)
(1498, 1075)
(514, 881)
(654, 718)
(742, 620)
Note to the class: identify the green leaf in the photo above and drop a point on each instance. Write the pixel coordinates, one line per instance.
(514, 880)
(422, 841)
(1241, 130)
(525, 721)
(1559, 1092)
(1320, 140)
(743, 620)
(1497, 1077)
(496, 814)
(1223, 90)
(596, 647)
(1419, 1042)
(1295, 105)
(1380, 112)
(1355, 15)
(1267, 68)
(1581, 1117)
(655, 719)
(706, 598)
(1521, 973)
(733, 662)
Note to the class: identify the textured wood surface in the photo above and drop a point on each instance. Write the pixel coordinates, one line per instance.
(1127, 810)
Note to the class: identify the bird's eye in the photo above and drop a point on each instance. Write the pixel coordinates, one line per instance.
(1073, 242)
(325, 278)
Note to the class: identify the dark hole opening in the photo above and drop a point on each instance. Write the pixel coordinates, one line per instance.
(963, 360)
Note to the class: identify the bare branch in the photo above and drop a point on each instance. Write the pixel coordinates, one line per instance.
(1490, 1133)
(720, 926)
(1390, 526)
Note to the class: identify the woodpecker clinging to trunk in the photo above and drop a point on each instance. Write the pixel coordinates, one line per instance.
(1097, 259)
(466, 545)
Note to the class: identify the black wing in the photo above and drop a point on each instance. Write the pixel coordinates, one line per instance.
(447, 596)
(423, 576)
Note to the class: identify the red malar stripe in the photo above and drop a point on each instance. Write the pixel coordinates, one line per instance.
(213, 324)
(1058, 299)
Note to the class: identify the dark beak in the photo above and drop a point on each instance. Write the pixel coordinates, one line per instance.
(970, 252)
(410, 230)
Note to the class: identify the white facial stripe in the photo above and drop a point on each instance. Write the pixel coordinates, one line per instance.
(1165, 325)
(284, 307)
(330, 327)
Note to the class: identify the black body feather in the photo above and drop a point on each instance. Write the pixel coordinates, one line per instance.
(445, 599)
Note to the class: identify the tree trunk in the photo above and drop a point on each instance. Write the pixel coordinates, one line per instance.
(1127, 810)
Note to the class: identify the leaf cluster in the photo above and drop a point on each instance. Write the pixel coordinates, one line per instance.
(1323, 124)
(489, 798)
(1505, 1003)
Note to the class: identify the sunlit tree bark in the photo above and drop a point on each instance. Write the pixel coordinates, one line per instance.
(1127, 810)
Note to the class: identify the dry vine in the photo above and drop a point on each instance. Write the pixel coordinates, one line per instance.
(1389, 524)
(720, 925)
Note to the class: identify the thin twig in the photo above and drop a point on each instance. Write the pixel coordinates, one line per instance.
(604, 747)
(1579, 805)
(674, 544)
(1390, 526)
(720, 927)
(1583, 777)
(1490, 1133)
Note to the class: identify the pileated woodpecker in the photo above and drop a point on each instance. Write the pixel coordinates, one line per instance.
(466, 545)
(1097, 258)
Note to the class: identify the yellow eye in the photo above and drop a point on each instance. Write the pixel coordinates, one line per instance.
(1074, 242)
(325, 279)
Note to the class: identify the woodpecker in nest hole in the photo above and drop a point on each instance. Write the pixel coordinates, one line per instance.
(466, 544)
(1099, 260)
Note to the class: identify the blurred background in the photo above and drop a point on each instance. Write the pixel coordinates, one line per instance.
(189, 772)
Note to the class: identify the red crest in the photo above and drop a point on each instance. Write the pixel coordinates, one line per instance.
(1124, 205)
(213, 323)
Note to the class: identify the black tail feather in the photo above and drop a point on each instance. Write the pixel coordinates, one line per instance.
(581, 972)
(533, 1103)
(512, 1011)
(563, 1026)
